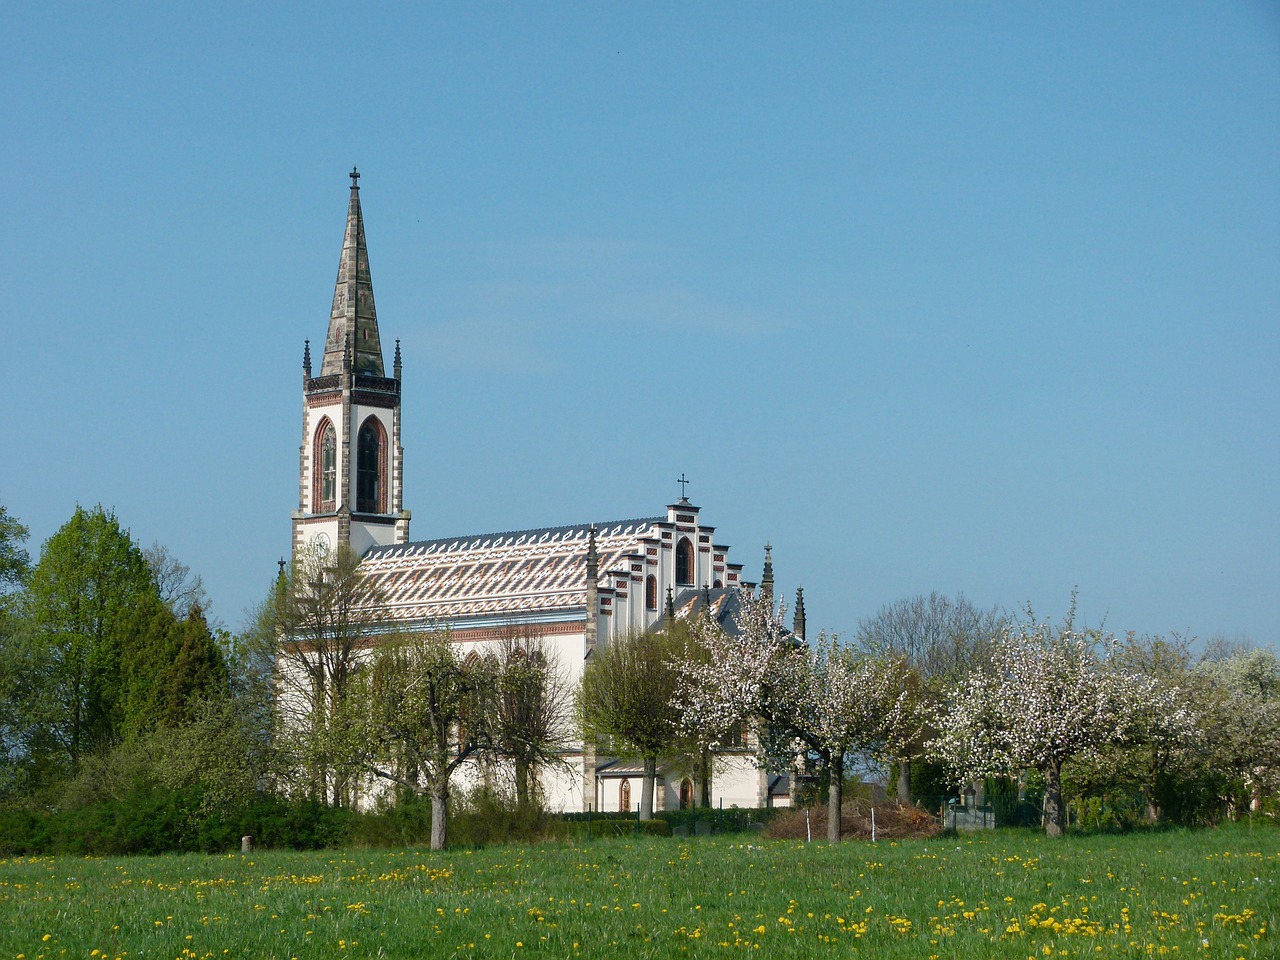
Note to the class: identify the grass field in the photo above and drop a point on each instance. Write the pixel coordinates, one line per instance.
(1210, 893)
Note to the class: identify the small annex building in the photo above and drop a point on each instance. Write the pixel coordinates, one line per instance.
(573, 587)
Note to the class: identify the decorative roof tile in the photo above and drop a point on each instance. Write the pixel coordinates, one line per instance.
(496, 575)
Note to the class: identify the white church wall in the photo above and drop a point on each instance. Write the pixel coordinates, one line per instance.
(735, 781)
(366, 536)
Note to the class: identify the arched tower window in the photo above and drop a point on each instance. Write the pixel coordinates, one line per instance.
(624, 796)
(324, 468)
(651, 593)
(371, 468)
(684, 561)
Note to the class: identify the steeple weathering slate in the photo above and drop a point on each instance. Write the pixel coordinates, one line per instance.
(353, 320)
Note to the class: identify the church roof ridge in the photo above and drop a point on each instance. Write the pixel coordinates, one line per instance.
(603, 528)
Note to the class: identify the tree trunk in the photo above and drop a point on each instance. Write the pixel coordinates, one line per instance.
(704, 779)
(1054, 823)
(440, 815)
(522, 783)
(904, 780)
(835, 796)
(1152, 811)
(646, 790)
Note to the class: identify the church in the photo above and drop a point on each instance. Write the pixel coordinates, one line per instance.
(572, 586)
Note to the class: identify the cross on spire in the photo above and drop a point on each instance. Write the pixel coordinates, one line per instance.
(684, 482)
(355, 176)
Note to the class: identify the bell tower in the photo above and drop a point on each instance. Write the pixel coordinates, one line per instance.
(350, 483)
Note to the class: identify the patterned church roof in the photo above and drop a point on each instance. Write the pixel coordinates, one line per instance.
(499, 575)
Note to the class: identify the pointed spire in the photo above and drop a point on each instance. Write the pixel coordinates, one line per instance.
(797, 625)
(671, 604)
(766, 580)
(306, 360)
(396, 372)
(353, 320)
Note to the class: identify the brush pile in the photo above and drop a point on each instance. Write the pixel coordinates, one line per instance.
(894, 820)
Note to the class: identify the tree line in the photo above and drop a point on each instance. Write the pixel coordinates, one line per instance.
(113, 684)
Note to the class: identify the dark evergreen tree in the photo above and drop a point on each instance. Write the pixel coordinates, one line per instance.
(197, 674)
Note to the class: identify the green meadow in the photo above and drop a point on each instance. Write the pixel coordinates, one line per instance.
(1203, 893)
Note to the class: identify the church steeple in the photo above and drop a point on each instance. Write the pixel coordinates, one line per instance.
(353, 320)
(350, 482)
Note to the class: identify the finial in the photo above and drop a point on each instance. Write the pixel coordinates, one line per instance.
(684, 482)
(280, 575)
(706, 595)
(797, 626)
(306, 359)
(671, 604)
(397, 360)
(355, 176)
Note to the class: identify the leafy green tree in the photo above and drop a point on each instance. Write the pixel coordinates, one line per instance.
(15, 565)
(83, 594)
(627, 702)
(426, 712)
(15, 562)
(322, 619)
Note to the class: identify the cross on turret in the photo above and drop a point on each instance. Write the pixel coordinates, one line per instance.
(684, 482)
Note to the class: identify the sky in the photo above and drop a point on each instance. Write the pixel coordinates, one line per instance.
(975, 298)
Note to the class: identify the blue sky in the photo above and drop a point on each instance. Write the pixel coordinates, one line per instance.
(974, 298)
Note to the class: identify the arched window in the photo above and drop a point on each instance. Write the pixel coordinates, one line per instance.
(624, 796)
(324, 469)
(371, 468)
(684, 561)
(718, 585)
(686, 793)
(651, 593)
